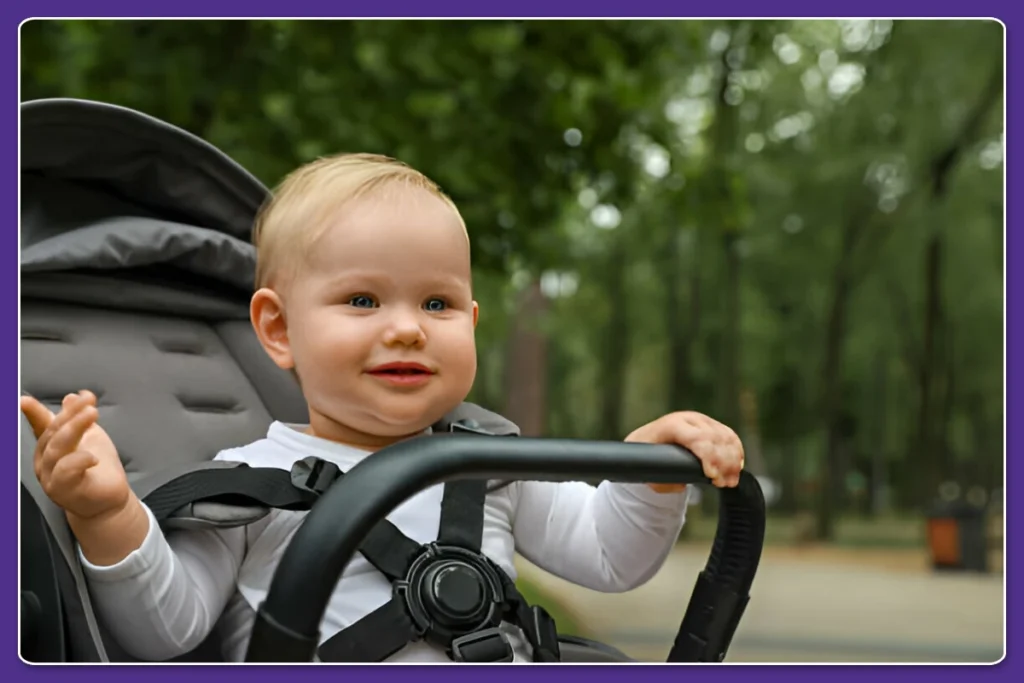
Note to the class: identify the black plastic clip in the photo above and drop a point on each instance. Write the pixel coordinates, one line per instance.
(314, 474)
(488, 645)
(543, 625)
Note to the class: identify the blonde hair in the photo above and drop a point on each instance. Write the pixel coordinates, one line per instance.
(297, 214)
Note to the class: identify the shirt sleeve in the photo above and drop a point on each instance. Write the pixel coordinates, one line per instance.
(165, 597)
(610, 538)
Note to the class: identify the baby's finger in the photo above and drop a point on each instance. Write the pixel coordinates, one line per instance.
(709, 460)
(66, 439)
(68, 409)
(729, 461)
(726, 464)
(86, 397)
(38, 415)
(70, 469)
(733, 458)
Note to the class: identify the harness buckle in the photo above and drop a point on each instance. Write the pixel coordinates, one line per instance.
(314, 474)
(488, 645)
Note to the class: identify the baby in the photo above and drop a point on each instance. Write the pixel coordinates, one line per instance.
(362, 263)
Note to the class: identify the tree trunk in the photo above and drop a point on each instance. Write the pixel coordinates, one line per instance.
(829, 478)
(682, 322)
(942, 168)
(526, 369)
(947, 457)
(561, 418)
(731, 342)
(723, 136)
(877, 448)
(929, 476)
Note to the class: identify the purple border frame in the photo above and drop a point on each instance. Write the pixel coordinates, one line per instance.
(16, 12)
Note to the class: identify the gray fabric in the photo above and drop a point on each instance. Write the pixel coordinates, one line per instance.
(204, 515)
(139, 294)
(161, 168)
(489, 421)
(125, 242)
(52, 207)
(81, 244)
(278, 389)
(168, 390)
(58, 524)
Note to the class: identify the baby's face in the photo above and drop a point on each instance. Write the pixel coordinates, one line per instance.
(388, 283)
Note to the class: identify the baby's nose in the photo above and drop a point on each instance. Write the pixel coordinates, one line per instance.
(405, 329)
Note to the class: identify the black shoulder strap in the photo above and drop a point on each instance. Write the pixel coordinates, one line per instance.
(462, 514)
(242, 485)
(385, 546)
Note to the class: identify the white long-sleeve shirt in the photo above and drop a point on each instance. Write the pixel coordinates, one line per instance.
(166, 597)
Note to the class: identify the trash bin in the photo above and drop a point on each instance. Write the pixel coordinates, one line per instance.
(957, 536)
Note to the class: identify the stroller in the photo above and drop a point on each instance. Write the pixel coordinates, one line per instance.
(136, 273)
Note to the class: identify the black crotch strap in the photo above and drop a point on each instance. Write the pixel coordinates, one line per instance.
(536, 624)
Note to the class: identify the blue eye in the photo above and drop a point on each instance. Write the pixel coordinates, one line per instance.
(436, 305)
(362, 301)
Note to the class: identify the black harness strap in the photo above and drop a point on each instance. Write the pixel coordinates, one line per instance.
(374, 638)
(389, 550)
(462, 514)
(385, 547)
(537, 625)
(242, 485)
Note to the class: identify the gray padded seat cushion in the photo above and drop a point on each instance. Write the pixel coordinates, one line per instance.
(170, 391)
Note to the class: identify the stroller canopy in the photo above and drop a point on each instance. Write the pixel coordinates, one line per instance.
(110, 194)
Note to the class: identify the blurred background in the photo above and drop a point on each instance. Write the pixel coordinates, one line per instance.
(795, 227)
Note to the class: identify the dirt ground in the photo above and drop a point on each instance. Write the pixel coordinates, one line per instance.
(896, 560)
(812, 604)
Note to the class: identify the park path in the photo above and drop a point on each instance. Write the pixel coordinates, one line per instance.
(809, 606)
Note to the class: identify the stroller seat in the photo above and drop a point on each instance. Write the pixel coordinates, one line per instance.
(136, 270)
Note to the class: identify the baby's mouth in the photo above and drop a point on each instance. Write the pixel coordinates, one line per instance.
(401, 369)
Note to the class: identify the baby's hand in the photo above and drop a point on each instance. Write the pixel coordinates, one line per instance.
(715, 445)
(75, 460)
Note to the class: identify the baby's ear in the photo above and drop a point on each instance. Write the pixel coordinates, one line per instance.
(266, 312)
(476, 314)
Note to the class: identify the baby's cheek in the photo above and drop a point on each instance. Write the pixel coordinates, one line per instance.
(459, 346)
